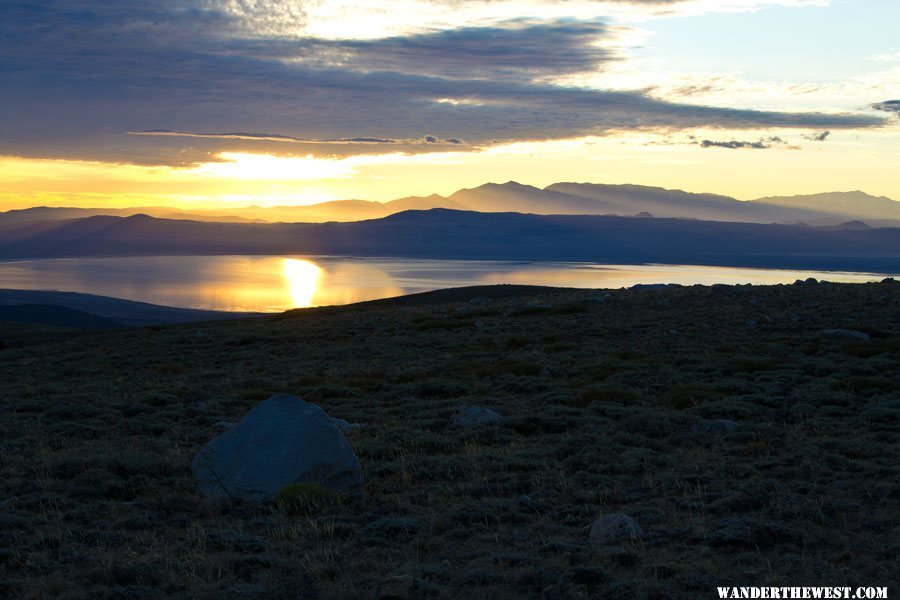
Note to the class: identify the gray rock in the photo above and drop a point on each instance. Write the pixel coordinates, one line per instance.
(397, 587)
(282, 440)
(848, 333)
(387, 528)
(344, 425)
(475, 416)
(614, 528)
(715, 426)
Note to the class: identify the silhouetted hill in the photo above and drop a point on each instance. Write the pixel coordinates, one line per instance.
(59, 316)
(442, 233)
(842, 205)
(94, 312)
(560, 198)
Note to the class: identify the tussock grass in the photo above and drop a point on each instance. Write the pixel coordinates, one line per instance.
(603, 405)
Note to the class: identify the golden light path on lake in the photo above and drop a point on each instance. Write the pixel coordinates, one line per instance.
(278, 283)
(303, 279)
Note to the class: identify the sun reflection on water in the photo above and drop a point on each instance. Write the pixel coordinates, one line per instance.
(303, 280)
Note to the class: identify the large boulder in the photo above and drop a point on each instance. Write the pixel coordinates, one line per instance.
(282, 440)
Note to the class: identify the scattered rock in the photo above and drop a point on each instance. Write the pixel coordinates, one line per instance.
(475, 416)
(614, 528)
(245, 590)
(848, 333)
(233, 541)
(344, 425)
(397, 587)
(480, 301)
(389, 528)
(282, 440)
(715, 426)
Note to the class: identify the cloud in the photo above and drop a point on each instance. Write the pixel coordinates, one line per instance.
(79, 75)
(820, 136)
(273, 137)
(743, 145)
(888, 106)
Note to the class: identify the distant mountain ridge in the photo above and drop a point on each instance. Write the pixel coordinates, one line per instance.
(452, 234)
(566, 198)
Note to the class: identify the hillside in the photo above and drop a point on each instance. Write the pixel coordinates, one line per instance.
(441, 233)
(611, 402)
(88, 311)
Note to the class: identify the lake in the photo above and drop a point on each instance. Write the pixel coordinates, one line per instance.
(270, 283)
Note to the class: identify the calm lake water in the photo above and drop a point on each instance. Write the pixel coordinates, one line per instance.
(268, 283)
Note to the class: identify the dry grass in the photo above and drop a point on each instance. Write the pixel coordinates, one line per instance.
(603, 406)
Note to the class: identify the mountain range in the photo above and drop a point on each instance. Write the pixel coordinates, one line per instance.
(831, 208)
(449, 234)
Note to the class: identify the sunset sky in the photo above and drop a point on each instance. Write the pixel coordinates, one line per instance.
(235, 102)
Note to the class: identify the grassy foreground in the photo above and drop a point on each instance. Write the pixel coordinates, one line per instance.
(604, 397)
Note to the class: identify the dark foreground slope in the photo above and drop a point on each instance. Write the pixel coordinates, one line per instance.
(89, 311)
(444, 233)
(604, 399)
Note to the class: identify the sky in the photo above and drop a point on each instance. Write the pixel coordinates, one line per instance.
(224, 103)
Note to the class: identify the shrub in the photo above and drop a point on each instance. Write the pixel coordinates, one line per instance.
(170, 368)
(306, 498)
(866, 384)
(686, 395)
(606, 394)
(753, 364)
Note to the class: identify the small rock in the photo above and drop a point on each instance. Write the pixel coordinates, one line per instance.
(479, 324)
(201, 334)
(344, 425)
(224, 425)
(751, 322)
(524, 503)
(715, 426)
(811, 281)
(663, 302)
(475, 416)
(245, 590)
(848, 333)
(388, 528)
(480, 301)
(397, 587)
(614, 528)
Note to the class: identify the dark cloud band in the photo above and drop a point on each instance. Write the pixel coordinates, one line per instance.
(79, 75)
